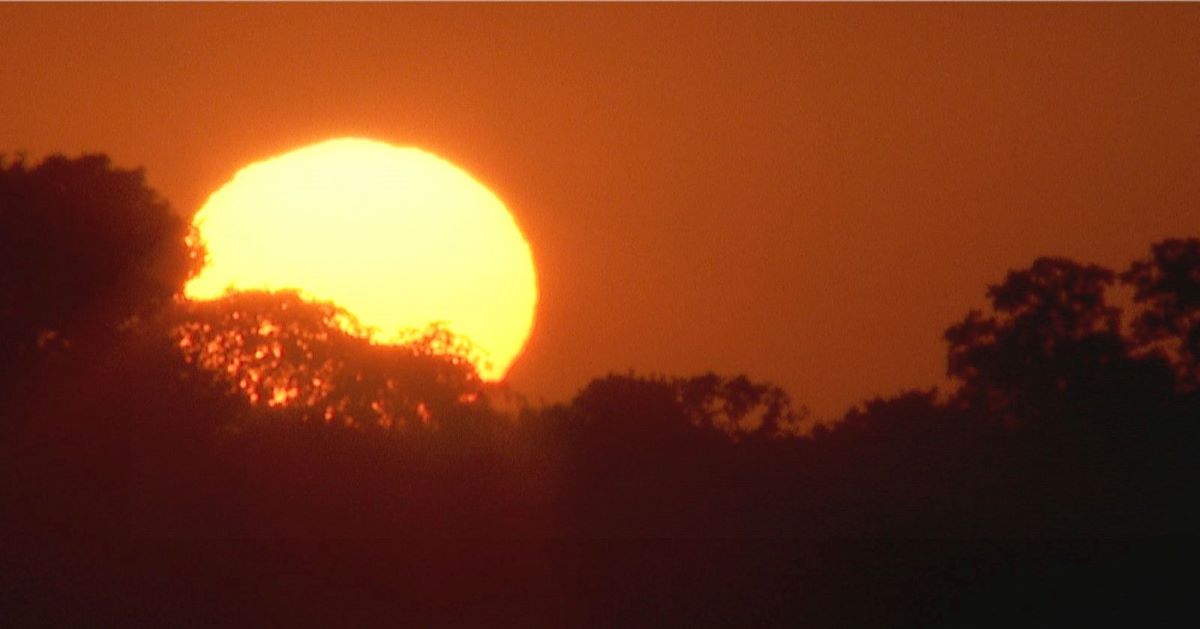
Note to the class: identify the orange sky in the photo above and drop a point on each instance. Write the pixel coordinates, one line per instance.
(809, 194)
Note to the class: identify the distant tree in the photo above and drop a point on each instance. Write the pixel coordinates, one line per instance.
(86, 249)
(735, 407)
(740, 407)
(1167, 286)
(311, 360)
(1052, 345)
(913, 414)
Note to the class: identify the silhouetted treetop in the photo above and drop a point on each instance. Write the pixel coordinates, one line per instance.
(1167, 286)
(311, 359)
(1035, 313)
(736, 407)
(84, 248)
(907, 415)
(1051, 340)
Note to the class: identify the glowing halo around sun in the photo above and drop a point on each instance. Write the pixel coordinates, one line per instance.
(397, 236)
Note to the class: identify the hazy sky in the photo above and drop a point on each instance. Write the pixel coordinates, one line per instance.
(808, 194)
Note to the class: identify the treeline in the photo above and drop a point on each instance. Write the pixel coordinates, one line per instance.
(132, 415)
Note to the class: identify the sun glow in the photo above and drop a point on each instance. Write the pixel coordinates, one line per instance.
(398, 237)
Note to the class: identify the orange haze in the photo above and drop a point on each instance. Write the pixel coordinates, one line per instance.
(807, 193)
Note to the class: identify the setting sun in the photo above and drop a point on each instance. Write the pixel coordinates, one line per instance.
(397, 236)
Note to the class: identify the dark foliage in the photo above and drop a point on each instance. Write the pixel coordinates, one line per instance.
(1167, 285)
(1052, 349)
(310, 359)
(85, 248)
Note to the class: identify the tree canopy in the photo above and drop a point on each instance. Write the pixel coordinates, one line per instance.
(1167, 287)
(313, 362)
(85, 249)
(1051, 345)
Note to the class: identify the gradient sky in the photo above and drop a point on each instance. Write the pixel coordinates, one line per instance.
(808, 194)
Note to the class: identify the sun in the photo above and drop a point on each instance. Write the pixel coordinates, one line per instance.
(397, 236)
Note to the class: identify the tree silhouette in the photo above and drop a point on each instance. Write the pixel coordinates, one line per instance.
(312, 361)
(1051, 346)
(85, 250)
(1167, 286)
(735, 407)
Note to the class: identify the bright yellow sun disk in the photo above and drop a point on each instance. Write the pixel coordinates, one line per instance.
(398, 237)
